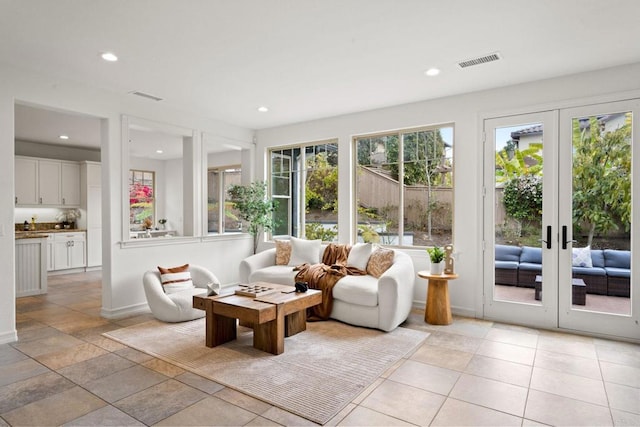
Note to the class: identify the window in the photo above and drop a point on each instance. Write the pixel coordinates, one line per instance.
(418, 212)
(141, 199)
(304, 183)
(222, 216)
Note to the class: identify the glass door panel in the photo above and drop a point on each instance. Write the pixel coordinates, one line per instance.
(520, 218)
(596, 273)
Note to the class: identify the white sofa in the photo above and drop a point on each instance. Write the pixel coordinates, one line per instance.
(382, 303)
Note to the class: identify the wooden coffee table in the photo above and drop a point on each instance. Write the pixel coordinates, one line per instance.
(273, 316)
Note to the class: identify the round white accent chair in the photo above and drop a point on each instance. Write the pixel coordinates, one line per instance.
(177, 306)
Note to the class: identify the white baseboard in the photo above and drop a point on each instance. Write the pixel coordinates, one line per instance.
(458, 311)
(8, 337)
(130, 310)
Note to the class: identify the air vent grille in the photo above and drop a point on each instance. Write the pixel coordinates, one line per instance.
(480, 60)
(146, 95)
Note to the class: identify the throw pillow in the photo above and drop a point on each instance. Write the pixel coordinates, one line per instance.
(283, 252)
(175, 279)
(581, 257)
(304, 251)
(380, 261)
(359, 256)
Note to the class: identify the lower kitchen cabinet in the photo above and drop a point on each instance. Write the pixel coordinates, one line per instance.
(31, 273)
(69, 250)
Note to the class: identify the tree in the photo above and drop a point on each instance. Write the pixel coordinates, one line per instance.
(601, 176)
(254, 208)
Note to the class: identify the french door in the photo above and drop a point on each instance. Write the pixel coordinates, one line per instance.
(560, 229)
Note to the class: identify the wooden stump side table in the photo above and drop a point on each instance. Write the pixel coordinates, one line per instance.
(438, 309)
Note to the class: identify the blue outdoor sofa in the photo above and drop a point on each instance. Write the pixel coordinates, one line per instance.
(609, 275)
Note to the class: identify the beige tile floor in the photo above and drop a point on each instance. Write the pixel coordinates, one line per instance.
(62, 371)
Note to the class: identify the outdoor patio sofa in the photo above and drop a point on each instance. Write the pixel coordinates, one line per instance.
(610, 273)
(381, 303)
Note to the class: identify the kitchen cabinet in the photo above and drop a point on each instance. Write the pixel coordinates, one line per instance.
(50, 244)
(69, 250)
(30, 261)
(70, 184)
(46, 182)
(49, 172)
(26, 181)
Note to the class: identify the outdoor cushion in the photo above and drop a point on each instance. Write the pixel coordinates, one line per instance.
(359, 290)
(507, 265)
(508, 253)
(531, 255)
(530, 266)
(581, 257)
(617, 259)
(593, 271)
(618, 272)
(597, 258)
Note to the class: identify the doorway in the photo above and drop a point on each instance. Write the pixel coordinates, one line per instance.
(559, 222)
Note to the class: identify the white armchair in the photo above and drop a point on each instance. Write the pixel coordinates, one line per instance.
(178, 306)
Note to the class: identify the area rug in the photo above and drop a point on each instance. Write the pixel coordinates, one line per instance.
(321, 370)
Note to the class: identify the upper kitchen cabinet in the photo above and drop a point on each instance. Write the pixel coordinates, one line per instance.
(49, 172)
(26, 178)
(46, 182)
(70, 184)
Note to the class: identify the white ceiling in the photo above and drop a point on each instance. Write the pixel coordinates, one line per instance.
(307, 59)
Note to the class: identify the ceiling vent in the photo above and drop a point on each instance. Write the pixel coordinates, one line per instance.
(146, 95)
(479, 60)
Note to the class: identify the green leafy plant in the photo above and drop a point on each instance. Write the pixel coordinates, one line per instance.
(521, 162)
(254, 207)
(523, 197)
(315, 230)
(436, 254)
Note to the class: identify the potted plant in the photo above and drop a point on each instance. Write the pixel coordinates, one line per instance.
(254, 207)
(436, 254)
(68, 217)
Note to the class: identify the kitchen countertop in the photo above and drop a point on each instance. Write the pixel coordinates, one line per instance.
(43, 234)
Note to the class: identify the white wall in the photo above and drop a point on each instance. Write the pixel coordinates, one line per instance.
(123, 267)
(465, 111)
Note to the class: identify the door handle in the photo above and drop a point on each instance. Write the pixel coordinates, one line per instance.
(564, 238)
(548, 240)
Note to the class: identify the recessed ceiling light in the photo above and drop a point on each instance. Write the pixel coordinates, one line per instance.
(64, 136)
(431, 72)
(159, 151)
(263, 109)
(108, 56)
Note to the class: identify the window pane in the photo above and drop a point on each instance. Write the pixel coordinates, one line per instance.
(321, 192)
(428, 192)
(213, 201)
(231, 218)
(141, 200)
(377, 190)
(425, 216)
(304, 183)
